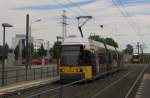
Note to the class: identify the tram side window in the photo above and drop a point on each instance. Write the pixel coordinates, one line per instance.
(102, 58)
(109, 58)
(85, 58)
(114, 57)
(93, 59)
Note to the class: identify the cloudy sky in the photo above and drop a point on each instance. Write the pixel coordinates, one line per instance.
(127, 21)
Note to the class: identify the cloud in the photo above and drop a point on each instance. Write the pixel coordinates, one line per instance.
(132, 2)
(57, 6)
(103, 11)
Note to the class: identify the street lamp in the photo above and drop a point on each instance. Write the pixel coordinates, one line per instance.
(4, 25)
(30, 55)
(58, 37)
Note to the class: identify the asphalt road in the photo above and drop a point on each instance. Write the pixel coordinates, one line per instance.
(113, 86)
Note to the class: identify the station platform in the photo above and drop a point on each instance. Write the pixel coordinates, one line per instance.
(144, 88)
(26, 85)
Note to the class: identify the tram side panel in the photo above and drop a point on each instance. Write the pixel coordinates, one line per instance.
(102, 61)
(78, 63)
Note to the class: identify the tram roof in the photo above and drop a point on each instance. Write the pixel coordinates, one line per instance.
(74, 40)
(110, 48)
(96, 44)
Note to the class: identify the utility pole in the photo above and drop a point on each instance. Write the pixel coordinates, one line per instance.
(142, 56)
(27, 41)
(64, 24)
(4, 25)
(138, 47)
(102, 26)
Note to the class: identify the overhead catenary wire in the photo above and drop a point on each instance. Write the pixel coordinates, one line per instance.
(126, 16)
(71, 9)
(137, 25)
(63, 5)
(95, 20)
(127, 13)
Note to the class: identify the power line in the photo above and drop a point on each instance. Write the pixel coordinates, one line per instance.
(63, 5)
(136, 25)
(125, 14)
(95, 21)
(64, 24)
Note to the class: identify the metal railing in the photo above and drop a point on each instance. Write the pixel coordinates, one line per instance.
(20, 75)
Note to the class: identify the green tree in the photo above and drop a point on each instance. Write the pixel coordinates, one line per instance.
(35, 54)
(6, 50)
(41, 51)
(16, 52)
(56, 50)
(108, 41)
(111, 42)
(128, 49)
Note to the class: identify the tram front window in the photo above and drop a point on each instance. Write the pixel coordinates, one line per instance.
(70, 55)
(69, 58)
(75, 55)
(135, 56)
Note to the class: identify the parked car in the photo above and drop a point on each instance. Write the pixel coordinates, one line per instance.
(36, 62)
(40, 62)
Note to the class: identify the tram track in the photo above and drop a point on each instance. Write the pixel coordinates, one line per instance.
(122, 87)
(34, 90)
(113, 86)
(90, 90)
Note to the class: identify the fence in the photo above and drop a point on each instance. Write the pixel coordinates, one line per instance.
(20, 75)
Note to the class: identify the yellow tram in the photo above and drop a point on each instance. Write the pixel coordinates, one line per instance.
(136, 58)
(87, 59)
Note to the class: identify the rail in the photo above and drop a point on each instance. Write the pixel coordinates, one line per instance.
(135, 85)
(60, 92)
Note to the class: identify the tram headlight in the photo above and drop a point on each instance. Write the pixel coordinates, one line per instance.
(62, 70)
(79, 70)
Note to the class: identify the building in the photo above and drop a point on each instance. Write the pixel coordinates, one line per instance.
(16, 39)
(39, 42)
(19, 42)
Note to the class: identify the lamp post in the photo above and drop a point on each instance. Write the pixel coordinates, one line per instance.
(30, 43)
(102, 26)
(58, 37)
(4, 25)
